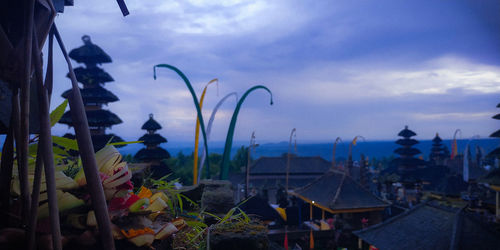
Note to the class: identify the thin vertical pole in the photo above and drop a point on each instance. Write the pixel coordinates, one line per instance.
(22, 140)
(247, 179)
(35, 195)
(498, 206)
(6, 171)
(45, 144)
(288, 159)
(82, 132)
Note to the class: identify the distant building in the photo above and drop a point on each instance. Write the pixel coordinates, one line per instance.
(437, 154)
(153, 154)
(93, 93)
(337, 193)
(495, 153)
(431, 226)
(406, 162)
(268, 174)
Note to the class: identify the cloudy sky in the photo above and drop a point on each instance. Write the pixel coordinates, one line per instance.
(336, 68)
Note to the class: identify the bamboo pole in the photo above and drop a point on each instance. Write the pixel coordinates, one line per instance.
(23, 139)
(288, 158)
(82, 132)
(123, 7)
(35, 194)
(197, 133)
(247, 177)
(45, 144)
(334, 151)
(6, 171)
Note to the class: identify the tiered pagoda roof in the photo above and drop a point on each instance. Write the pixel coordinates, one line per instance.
(151, 139)
(406, 152)
(147, 154)
(406, 133)
(93, 93)
(496, 134)
(96, 118)
(151, 124)
(89, 54)
(437, 151)
(90, 76)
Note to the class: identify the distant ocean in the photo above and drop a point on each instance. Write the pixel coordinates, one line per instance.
(372, 149)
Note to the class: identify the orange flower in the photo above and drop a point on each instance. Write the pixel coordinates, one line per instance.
(133, 233)
(144, 192)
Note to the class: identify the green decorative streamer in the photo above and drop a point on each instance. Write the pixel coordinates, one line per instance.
(230, 133)
(196, 103)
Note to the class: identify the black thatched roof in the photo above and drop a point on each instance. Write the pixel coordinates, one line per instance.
(492, 178)
(437, 150)
(94, 95)
(337, 191)
(437, 140)
(100, 141)
(406, 133)
(407, 151)
(494, 153)
(298, 165)
(151, 124)
(260, 207)
(429, 226)
(92, 75)
(406, 142)
(96, 118)
(89, 53)
(496, 134)
(152, 154)
(152, 139)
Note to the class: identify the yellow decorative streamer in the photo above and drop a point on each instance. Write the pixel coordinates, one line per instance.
(197, 134)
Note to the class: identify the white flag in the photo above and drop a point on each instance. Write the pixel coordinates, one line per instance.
(466, 163)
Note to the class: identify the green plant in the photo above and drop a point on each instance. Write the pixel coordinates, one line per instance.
(176, 199)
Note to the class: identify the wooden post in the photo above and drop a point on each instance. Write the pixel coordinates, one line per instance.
(35, 194)
(23, 139)
(247, 178)
(288, 160)
(6, 172)
(45, 144)
(86, 148)
(497, 210)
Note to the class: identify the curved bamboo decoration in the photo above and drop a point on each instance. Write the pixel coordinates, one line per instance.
(209, 129)
(195, 100)
(454, 148)
(230, 133)
(335, 150)
(353, 142)
(197, 134)
(294, 132)
(349, 158)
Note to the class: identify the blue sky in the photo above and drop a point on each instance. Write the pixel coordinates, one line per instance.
(336, 68)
